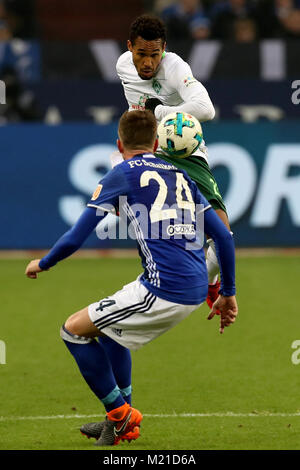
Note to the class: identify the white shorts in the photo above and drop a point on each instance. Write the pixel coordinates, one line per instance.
(133, 316)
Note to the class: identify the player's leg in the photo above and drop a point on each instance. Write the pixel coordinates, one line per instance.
(134, 316)
(120, 357)
(79, 335)
(80, 324)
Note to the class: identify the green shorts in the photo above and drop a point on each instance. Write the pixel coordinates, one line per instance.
(198, 170)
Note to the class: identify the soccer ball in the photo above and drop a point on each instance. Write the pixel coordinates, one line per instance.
(179, 134)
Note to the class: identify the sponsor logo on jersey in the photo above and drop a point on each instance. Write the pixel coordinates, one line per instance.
(96, 192)
(141, 103)
(138, 107)
(189, 80)
(142, 100)
(181, 229)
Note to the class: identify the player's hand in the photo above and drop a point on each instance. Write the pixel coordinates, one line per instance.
(151, 104)
(228, 308)
(33, 268)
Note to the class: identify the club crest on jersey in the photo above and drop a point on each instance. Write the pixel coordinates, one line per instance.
(189, 80)
(96, 192)
(156, 86)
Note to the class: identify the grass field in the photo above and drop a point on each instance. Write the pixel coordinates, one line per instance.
(196, 388)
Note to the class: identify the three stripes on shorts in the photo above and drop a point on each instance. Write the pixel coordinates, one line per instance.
(123, 313)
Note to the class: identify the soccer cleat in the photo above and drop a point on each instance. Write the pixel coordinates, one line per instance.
(94, 430)
(121, 424)
(213, 294)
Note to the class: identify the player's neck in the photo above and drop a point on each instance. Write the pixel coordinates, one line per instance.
(128, 154)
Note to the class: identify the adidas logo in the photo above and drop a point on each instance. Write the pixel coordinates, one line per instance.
(117, 331)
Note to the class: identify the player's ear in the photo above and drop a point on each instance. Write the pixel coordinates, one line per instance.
(129, 45)
(155, 145)
(120, 146)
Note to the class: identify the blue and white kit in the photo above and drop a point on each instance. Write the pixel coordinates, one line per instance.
(174, 281)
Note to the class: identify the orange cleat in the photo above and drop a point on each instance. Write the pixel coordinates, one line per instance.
(95, 429)
(131, 435)
(121, 424)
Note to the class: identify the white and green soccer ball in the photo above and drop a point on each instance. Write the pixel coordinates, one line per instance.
(179, 134)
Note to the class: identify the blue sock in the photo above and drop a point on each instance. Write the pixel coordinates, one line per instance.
(95, 368)
(120, 359)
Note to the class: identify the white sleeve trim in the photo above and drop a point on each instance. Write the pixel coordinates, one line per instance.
(104, 209)
(204, 209)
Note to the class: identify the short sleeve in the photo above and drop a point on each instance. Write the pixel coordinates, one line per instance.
(110, 188)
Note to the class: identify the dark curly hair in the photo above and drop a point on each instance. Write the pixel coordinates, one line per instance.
(147, 27)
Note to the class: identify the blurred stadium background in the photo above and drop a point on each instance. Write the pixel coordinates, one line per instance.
(57, 128)
(64, 98)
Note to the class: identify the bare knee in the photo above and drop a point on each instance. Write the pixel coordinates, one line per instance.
(72, 324)
(80, 324)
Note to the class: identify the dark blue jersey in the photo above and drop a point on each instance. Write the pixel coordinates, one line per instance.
(169, 216)
(162, 205)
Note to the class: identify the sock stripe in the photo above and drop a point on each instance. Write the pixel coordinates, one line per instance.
(111, 397)
(126, 391)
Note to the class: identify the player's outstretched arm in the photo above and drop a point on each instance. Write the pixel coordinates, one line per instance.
(225, 251)
(70, 242)
(195, 98)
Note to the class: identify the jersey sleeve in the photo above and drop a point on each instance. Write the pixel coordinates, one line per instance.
(225, 251)
(201, 202)
(214, 227)
(195, 97)
(72, 240)
(106, 196)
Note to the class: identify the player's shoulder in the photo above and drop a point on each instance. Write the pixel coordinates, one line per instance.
(171, 61)
(116, 175)
(124, 61)
(172, 58)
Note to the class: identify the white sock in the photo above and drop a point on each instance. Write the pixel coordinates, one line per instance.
(212, 263)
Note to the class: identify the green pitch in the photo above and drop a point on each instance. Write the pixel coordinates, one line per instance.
(196, 388)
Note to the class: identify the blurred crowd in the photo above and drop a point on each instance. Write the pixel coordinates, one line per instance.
(237, 20)
(17, 19)
(241, 21)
